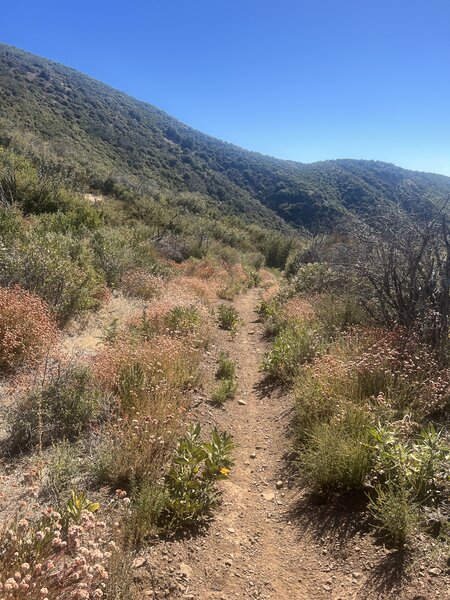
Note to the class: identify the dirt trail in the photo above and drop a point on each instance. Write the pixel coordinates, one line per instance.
(266, 554)
(251, 550)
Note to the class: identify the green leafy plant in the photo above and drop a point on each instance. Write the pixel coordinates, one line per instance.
(226, 368)
(190, 483)
(226, 373)
(293, 346)
(183, 319)
(253, 278)
(228, 317)
(420, 466)
(59, 268)
(77, 503)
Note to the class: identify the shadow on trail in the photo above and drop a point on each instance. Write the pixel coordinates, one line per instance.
(338, 519)
(267, 386)
(389, 575)
(343, 519)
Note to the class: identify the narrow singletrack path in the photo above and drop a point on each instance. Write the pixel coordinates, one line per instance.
(251, 550)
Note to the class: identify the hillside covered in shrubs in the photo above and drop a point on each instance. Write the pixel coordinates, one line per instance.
(106, 139)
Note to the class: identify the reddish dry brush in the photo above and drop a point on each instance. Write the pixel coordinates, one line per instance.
(27, 329)
(297, 309)
(139, 283)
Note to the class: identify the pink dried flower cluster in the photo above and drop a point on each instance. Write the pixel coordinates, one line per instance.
(410, 367)
(139, 447)
(39, 561)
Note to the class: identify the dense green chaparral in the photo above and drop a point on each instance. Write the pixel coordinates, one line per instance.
(114, 142)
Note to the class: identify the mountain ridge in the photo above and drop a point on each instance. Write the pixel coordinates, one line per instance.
(109, 134)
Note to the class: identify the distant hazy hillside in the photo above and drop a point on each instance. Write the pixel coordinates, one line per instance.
(46, 107)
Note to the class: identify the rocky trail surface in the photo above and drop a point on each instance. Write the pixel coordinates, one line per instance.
(266, 540)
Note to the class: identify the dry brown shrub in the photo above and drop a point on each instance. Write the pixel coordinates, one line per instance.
(27, 328)
(163, 359)
(139, 283)
(298, 309)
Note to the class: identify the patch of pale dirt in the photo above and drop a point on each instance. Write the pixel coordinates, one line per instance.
(266, 540)
(85, 336)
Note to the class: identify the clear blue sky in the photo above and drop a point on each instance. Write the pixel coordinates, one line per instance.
(300, 79)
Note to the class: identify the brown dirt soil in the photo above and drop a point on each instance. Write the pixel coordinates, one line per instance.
(269, 540)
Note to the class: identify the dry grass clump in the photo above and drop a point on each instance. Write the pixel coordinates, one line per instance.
(136, 449)
(337, 455)
(150, 379)
(133, 371)
(140, 283)
(192, 287)
(224, 280)
(27, 329)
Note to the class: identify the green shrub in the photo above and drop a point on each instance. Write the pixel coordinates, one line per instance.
(338, 313)
(226, 390)
(61, 409)
(78, 218)
(190, 483)
(317, 278)
(226, 368)
(268, 308)
(253, 278)
(35, 191)
(293, 346)
(120, 249)
(183, 320)
(395, 513)
(313, 405)
(149, 501)
(229, 291)
(188, 495)
(11, 225)
(337, 455)
(62, 469)
(57, 268)
(420, 466)
(228, 317)
(276, 250)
